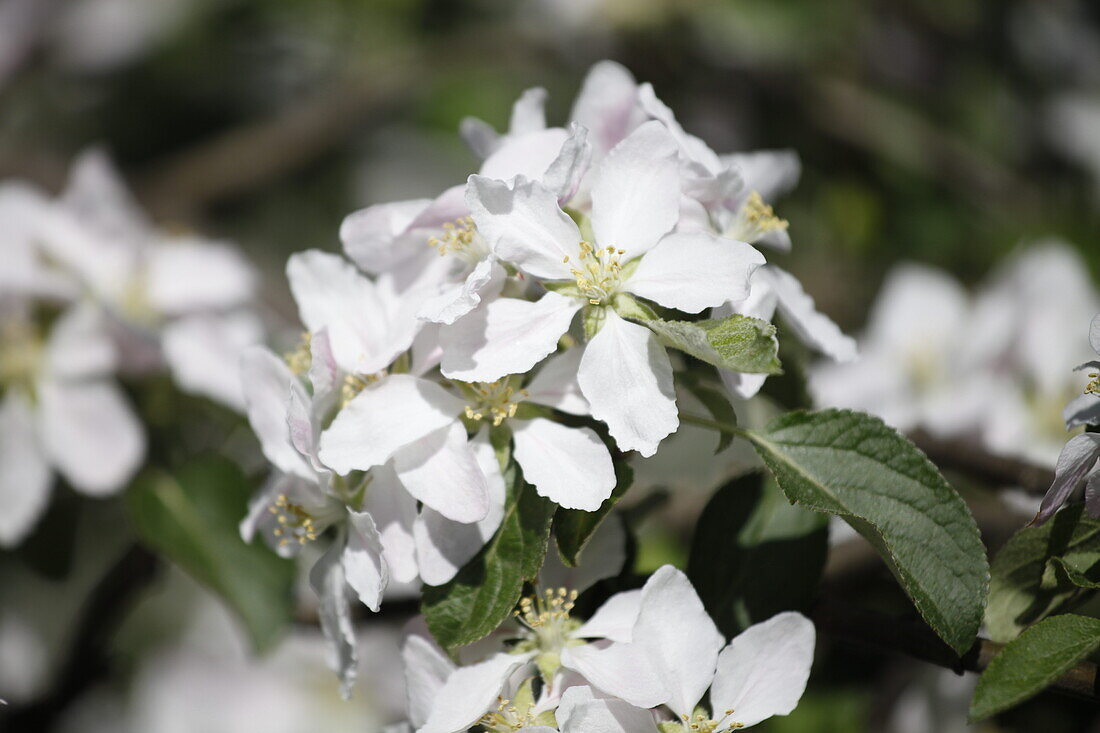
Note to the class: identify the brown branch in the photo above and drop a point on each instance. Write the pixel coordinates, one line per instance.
(976, 462)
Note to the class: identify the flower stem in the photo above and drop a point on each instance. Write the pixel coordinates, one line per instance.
(706, 422)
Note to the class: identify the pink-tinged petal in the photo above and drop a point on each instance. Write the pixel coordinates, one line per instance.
(523, 224)
(25, 476)
(267, 382)
(204, 354)
(506, 336)
(190, 274)
(364, 565)
(680, 638)
(324, 374)
(527, 155)
(763, 671)
(569, 466)
(334, 610)
(441, 470)
(91, 434)
(470, 692)
(397, 411)
(607, 105)
(636, 192)
(564, 175)
(370, 235)
(555, 384)
(691, 271)
(426, 671)
(1078, 458)
(627, 378)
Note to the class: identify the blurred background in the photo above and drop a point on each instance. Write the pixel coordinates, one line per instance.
(954, 134)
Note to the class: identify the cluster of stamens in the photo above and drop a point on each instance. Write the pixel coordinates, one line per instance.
(598, 271)
(1093, 387)
(460, 237)
(507, 717)
(295, 523)
(356, 383)
(20, 351)
(300, 359)
(546, 617)
(496, 401)
(755, 219)
(703, 724)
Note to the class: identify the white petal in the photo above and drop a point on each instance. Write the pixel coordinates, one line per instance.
(555, 384)
(569, 466)
(507, 336)
(364, 566)
(763, 671)
(742, 385)
(529, 112)
(771, 173)
(527, 155)
(627, 378)
(459, 299)
(608, 716)
(267, 382)
(444, 546)
(470, 692)
(363, 330)
(603, 557)
(191, 274)
(204, 354)
(440, 469)
(636, 193)
(327, 579)
(813, 328)
(607, 104)
(80, 344)
(369, 234)
(691, 271)
(91, 434)
(1094, 334)
(524, 225)
(384, 417)
(680, 638)
(324, 374)
(25, 477)
(564, 175)
(624, 671)
(615, 619)
(1078, 458)
(479, 136)
(394, 513)
(1082, 410)
(426, 671)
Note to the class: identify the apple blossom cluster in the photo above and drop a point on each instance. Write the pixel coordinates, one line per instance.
(534, 317)
(642, 663)
(91, 290)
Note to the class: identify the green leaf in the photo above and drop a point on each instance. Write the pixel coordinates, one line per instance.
(719, 407)
(1027, 665)
(853, 465)
(192, 518)
(748, 536)
(484, 592)
(1040, 571)
(738, 343)
(574, 527)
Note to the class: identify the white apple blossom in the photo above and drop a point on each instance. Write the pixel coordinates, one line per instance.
(625, 374)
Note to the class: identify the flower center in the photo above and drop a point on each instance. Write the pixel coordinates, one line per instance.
(598, 272)
(754, 219)
(461, 238)
(507, 718)
(700, 723)
(301, 358)
(356, 383)
(1093, 387)
(296, 524)
(547, 619)
(21, 350)
(496, 401)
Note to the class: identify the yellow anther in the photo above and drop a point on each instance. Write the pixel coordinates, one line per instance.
(754, 219)
(300, 359)
(703, 724)
(295, 522)
(461, 238)
(507, 718)
(599, 272)
(1093, 387)
(496, 401)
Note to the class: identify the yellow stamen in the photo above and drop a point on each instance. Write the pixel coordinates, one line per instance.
(598, 272)
(755, 219)
(300, 359)
(496, 401)
(1093, 387)
(295, 522)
